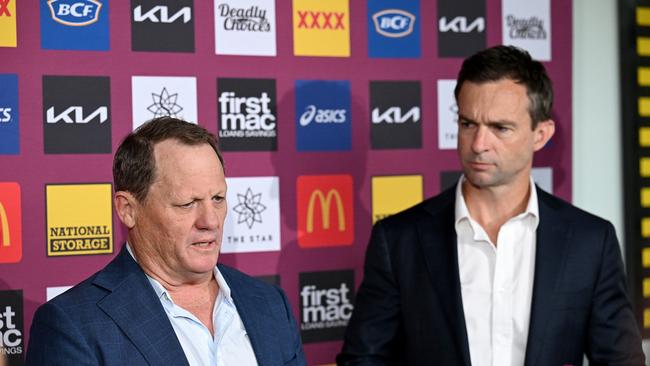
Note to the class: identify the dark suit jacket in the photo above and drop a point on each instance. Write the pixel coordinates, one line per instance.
(115, 318)
(409, 308)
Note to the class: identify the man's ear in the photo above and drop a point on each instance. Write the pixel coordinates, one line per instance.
(126, 208)
(543, 132)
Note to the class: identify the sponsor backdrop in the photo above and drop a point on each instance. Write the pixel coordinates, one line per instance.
(332, 114)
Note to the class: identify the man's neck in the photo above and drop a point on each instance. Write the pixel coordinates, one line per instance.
(492, 207)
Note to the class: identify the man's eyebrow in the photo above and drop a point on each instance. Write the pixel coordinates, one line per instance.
(465, 118)
(489, 123)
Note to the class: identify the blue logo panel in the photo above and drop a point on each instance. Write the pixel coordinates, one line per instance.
(9, 132)
(323, 120)
(75, 25)
(394, 28)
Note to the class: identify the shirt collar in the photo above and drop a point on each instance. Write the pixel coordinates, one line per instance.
(462, 213)
(161, 291)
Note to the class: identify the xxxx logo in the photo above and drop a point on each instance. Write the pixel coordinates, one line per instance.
(321, 20)
(4, 8)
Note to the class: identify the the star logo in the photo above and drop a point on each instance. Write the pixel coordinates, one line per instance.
(164, 104)
(249, 208)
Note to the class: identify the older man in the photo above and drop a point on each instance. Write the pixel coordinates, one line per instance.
(494, 271)
(164, 300)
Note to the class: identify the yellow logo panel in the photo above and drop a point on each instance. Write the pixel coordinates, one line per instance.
(8, 23)
(321, 28)
(392, 194)
(79, 219)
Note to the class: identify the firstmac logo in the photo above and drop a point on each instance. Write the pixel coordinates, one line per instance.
(11, 246)
(325, 210)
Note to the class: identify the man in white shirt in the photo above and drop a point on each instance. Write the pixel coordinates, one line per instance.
(164, 300)
(494, 272)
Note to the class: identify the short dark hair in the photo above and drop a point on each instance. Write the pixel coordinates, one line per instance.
(509, 62)
(134, 165)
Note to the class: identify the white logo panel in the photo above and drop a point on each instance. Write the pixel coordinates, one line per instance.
(527, 24)
(543, 177)
(253, 220)
(447, 115)
(52, 292)
(245, 27)
(158, 96)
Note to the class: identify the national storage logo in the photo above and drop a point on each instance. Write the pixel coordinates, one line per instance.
(392, 194)
(321, 28)
(11, 243)
(323, 119)
(461, 27)
(9, 128)
(75, 25)
(393, 28)
(395, 115)
(79, 219)
(163, 25)
(325, 210)
(76, 114)
(326, 304)
(8, 23)
(247, 115)
(12, 345)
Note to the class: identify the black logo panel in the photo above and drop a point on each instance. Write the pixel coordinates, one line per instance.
(247, 115)
(461, 27)
(76, 115)
(395, 115)
(158, 25)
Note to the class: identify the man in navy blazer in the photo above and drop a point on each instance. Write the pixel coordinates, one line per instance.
(164, 300)
(494, 271)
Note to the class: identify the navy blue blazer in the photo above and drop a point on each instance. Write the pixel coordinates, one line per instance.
(409, 310)
(115, 318)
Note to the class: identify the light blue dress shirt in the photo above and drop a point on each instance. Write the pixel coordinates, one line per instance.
(230, 345)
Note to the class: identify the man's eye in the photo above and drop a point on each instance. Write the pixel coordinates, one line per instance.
(188, 205)
(218, 198)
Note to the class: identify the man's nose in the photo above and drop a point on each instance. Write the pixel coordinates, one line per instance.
(209, 217)
(480, 140)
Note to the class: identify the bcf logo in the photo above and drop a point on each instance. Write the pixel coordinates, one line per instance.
(325, 210)
(394, 23)
(75, 12)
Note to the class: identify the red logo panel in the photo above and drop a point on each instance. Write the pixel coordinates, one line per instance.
(11, 242)
(325, 210)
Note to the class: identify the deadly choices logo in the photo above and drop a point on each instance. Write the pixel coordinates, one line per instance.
(75, 25)
(393, 28)
(323, 119)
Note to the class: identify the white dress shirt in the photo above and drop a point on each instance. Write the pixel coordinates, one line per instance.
(230, 345)
(497, 283)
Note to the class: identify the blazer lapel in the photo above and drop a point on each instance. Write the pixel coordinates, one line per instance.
(438, 239)
(134, 307)
(552, 235)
